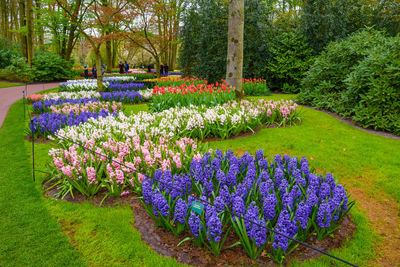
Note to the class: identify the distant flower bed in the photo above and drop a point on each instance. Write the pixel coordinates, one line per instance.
(112, 86)
(246, 195)
(92, 107)
(255, 87)
(187, 95)
(83, 97)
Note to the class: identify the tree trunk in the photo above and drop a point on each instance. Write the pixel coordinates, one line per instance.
(72, 30)
(114, 53)
(22, 23)
(234, 64)
(39, 26)
(98, 67)
(29, 36)
(108, 56)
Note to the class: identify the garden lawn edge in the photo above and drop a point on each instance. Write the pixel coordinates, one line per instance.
(29, 235)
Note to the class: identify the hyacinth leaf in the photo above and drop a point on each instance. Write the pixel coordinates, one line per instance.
(184, 240)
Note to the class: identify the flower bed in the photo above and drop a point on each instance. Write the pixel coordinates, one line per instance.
(255, 87)
(200, 122)
(92, 107)
(127, 86)
(186, 95)
(178, 81)
(49, 123)
(77, 169)
(246, 195)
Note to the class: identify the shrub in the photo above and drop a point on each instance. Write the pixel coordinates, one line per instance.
(358, 78)
(291, 58)
(47, 66)
(18, 70)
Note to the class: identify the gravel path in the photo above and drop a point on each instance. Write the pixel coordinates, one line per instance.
(11, 94)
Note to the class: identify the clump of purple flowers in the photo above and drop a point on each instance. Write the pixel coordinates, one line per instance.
(250, 195)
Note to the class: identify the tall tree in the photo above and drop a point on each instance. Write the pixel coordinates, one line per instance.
(234, 58)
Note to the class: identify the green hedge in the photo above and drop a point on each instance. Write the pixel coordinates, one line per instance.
(359, 78)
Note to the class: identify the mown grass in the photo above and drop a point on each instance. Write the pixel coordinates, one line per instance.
(105, 236)
(8, 84)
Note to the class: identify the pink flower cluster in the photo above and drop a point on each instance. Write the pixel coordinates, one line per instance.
(88, 107)
(120, 166)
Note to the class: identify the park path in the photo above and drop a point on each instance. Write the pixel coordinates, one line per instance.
(11, 94)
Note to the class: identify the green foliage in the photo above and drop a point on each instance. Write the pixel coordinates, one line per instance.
(48, 66)
(358, 77)
(323, 21)
(204, 40)
(6, 55)
(18, 70)
(291, 58)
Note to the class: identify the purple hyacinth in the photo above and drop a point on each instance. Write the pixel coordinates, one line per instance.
(219, 154)
(278, 176)
(166, 181)
(324, 191)
(266, 188)
(250, 216)
(313, 182)
(221, 178)
(264, 175)
(259, 154)
(330, 180)
(224, 193)
(283, 186)
(214, 227)
(216, 164)
(278, 159)
(292, 164)
(238, 207)
(286, 159)
(312, 198)
(269, 206)
(251, 171)
(285, 226)
(160, 204)
(219, 203)
(180, 211)
(194, 224)
(287, 200)
(304, 167)
(263, 164)
(324, 215)
(241, 191)
(259, 232)
(191, 198)
(146, 190)
(302, 214)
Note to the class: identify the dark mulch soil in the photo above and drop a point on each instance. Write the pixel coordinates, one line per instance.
(165, 243)
(39, 140)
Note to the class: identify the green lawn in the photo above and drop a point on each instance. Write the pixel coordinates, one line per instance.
(41, 231)
(8, 84)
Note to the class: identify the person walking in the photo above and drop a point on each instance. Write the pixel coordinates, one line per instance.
(166, 69)
(149, 68)
(94, 71)
(86, 72)
(161, 69)
(121, 67)
(126, 67)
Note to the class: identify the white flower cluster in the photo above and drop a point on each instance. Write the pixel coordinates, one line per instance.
(181, 122)
(72, 95)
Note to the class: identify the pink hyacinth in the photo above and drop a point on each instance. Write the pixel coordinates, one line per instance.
(124, 193)
(141, 177)
(66, 170)
(120, 176)
(91, 172)
(58, 162)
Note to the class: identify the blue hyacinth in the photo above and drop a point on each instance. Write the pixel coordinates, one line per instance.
(180, 211)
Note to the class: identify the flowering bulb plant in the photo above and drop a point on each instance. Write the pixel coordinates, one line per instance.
(255, 87)
(221, 121)
(129, 86)
(186, 95)
(178, 81)
(253, 193)
(116, 166)
(93, 107)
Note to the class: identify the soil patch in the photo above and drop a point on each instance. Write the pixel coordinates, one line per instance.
(165, 243)
(39, 140)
